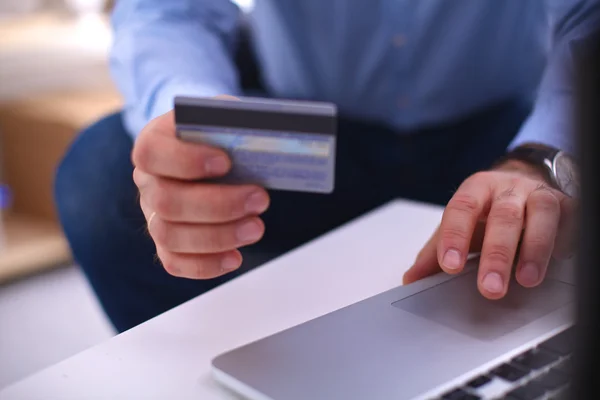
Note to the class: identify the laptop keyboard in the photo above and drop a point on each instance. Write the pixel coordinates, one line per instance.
(540, 373)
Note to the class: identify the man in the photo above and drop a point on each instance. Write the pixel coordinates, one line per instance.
(431, 95)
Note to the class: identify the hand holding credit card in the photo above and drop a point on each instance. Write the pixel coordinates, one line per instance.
(203, 200)
(277, 144)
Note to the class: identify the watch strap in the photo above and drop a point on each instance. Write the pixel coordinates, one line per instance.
(533, 154)
(538, 156)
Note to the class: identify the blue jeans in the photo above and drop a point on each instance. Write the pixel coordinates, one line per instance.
(98, 202)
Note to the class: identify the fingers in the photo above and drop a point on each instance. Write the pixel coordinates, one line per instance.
(179, 201)
(541, 228)
(426, 263)
(199, 266)
(566, 238)
(502, 234)
(205, 238)
(459, 222)
(197, 227)
(158, 151)
(201, 251)
(489, 212)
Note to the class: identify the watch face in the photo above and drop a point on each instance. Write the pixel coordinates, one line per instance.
(567, 176)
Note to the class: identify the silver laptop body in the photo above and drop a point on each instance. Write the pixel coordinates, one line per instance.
(419, 341)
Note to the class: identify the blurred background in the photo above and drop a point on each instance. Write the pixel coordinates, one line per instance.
(54, 80)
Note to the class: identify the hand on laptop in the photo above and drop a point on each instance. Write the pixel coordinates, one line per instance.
(491, 213)
(196, 226)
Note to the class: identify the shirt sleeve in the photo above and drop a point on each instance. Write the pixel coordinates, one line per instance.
(165, 48)
(551, 122)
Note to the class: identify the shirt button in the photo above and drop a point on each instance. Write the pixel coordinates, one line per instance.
(399, 40)
(403, 102)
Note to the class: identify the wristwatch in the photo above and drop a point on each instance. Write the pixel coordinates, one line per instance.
(559, 167)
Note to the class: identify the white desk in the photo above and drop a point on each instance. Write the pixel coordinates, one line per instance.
(169, 356)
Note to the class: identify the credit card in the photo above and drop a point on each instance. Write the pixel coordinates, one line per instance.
(278, 144)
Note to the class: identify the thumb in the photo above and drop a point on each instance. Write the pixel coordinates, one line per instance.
(426, 263)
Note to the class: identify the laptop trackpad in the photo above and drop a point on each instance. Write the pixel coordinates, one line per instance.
(458, 305)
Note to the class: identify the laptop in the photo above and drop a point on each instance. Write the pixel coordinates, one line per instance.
(439, 338)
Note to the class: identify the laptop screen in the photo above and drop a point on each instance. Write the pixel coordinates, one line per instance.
(587, 354)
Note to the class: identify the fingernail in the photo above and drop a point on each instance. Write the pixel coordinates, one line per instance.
(257, 202)
(249, 231)
(229, 263)
(529, 274)
(216, 165)
(493, 283)
(452, 259)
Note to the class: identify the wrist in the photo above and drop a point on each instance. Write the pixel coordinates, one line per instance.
(522, 167)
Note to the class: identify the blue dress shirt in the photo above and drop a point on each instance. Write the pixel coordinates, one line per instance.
(406, 63)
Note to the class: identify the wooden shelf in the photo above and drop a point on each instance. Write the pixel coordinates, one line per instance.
(30, 245)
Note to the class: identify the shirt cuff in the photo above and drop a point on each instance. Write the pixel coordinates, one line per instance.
(550, 123)
(163, 102)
